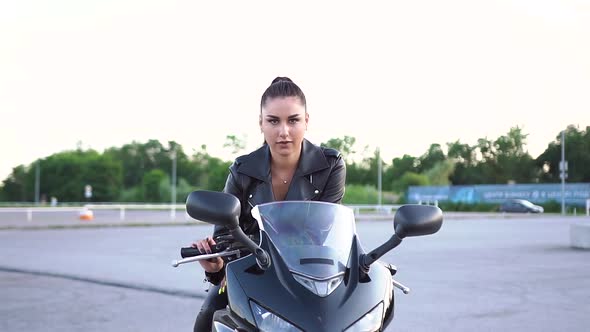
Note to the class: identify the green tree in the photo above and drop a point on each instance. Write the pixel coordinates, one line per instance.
(464, 157)
(183, 188)
(360, 194)
(344, 145)
(577, 148)
(409, 179)
(14, 187)
(461, 153)
(399, 166)
(151, 185)
(236, 144)
(65, 174)
(139, 158)
(356, 173)
(440, 173)
(209, 172)
(433, 156)
(365, 171)
(141, 171)
(500, 161)
(513, 163)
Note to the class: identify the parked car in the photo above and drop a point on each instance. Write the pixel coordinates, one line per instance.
(520, 205)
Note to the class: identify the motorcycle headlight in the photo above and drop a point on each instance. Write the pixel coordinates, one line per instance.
(267, 321)
(370, 322)
(322, 288)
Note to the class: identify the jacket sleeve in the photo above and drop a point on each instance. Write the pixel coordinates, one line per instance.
(231, 187)
(335, 185)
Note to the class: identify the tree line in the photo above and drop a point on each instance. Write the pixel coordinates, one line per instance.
(140, 172)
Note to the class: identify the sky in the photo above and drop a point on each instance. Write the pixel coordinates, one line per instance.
(398, 75)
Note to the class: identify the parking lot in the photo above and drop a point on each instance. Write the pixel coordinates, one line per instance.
(477, 273)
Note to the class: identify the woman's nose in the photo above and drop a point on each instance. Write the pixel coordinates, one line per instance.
(284, 131)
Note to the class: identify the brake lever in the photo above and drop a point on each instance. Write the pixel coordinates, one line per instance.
(175, 263)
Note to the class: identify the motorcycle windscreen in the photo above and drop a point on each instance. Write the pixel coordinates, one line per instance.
(313, 238)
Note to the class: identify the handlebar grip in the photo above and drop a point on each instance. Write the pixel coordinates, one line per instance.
(192, 252)
(189, 252)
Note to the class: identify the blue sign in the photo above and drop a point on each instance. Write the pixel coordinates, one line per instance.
(575, 193)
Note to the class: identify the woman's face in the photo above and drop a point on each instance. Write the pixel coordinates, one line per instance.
(283, 122)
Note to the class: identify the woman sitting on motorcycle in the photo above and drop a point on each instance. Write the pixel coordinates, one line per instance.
(286, 167)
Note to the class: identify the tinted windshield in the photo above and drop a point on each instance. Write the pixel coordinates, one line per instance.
(314, 238)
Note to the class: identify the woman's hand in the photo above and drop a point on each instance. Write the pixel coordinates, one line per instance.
(211, 265)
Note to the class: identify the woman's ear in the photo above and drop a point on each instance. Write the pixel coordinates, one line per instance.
(306, 120)
(260, 122)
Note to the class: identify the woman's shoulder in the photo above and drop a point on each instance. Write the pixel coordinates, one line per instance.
(329, 152)
(256, 155)
(253, 164)
(332, 156)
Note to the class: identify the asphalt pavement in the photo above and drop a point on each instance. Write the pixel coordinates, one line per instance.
(32, 302)
(479, 273)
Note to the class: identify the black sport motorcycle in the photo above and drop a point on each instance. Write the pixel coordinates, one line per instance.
(307, 270)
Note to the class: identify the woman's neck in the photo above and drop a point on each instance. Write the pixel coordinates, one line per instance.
(289, 162)
(285, 162)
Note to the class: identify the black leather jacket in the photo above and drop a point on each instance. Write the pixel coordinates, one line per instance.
(320, 176)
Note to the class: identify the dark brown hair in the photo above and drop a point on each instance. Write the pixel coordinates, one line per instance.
(282, 87)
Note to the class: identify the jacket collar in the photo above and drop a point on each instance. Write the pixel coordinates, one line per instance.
(257, 163)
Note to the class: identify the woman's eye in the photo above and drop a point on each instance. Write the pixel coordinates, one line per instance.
(293, 120)
(272, 121)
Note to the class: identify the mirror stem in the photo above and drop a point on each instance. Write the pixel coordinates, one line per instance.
(262, 258)
(373, 256)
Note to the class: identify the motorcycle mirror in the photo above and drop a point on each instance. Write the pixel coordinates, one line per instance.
(416, 220)
(214, 207)
(409, 220)
(224, 209)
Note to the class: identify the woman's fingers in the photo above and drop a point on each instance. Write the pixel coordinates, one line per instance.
(199, 246)
(204, 245)
(210, 265)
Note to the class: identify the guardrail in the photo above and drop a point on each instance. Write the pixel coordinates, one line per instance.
(29, 210)
(123, 208)
(388, 209)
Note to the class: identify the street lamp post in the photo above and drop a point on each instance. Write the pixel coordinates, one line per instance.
(379, 175)
(563, 172)
(37, 181)
(173, 207)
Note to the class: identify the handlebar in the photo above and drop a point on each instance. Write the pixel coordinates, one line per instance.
(189, 252)
(206, 256)
(192, 252)
(225, 246)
